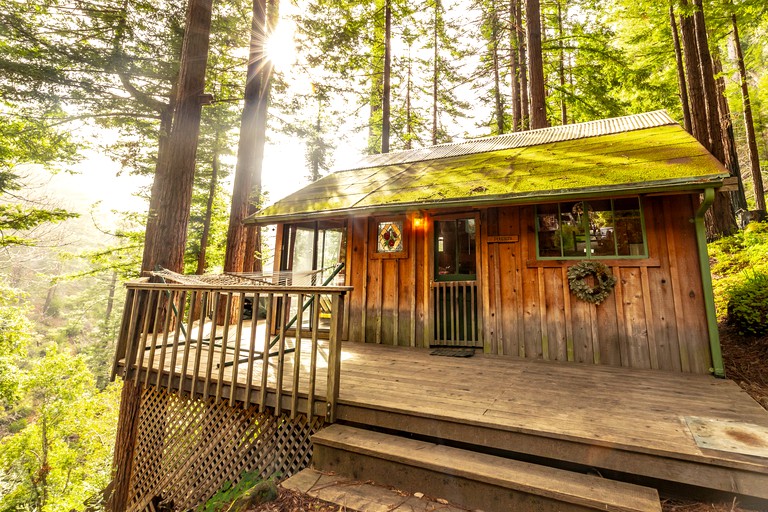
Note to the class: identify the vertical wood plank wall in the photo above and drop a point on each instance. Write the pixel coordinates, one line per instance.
(655, 317)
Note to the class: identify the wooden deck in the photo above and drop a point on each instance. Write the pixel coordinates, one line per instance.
(619, 419)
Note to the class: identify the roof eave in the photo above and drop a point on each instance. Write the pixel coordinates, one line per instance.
(682, 185)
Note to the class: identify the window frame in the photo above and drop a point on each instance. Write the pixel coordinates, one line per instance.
(373, 237)
(436, 277)
(588, 241)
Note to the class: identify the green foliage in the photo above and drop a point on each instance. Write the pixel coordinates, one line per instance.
(748, 303)
(734, 259)
(61, 456)
(15, 329)
(228, 493)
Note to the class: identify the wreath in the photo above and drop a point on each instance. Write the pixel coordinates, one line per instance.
(604, 281)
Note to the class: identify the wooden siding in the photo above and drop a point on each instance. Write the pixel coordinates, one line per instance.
(655, 317)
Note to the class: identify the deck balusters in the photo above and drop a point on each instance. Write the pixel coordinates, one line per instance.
(166, 341)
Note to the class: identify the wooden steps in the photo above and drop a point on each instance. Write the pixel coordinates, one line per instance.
(355, 496)
(471, 479)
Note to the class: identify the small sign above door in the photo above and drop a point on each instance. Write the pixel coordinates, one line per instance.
(502, 239)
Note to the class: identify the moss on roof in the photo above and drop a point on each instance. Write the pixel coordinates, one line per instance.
(658, 157)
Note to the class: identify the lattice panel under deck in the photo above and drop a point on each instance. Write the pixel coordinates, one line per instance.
(186, 449)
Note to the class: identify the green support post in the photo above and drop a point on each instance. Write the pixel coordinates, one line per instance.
(706, 282)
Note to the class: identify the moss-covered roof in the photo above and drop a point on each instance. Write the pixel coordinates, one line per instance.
(630, 160)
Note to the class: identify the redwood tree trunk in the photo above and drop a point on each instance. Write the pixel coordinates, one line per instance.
(497, 100)
(248, 168)
(385, 107)
(201, 260)
(435, 67)
(536, 65)
(680, 70)
(561, 69)
(708, 81)
(523, 59)
(514, 68)
(698, 106)
(175, 178)
(754, 158)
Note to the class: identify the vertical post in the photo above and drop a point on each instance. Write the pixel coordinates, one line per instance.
(334, 357)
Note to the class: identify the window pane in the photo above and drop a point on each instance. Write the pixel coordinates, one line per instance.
(629, 227)
(446, 247)
(572, 229)
(548, 228)
(465, 254)
(601, 228)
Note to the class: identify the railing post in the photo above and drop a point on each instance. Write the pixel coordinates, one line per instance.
(334, 356)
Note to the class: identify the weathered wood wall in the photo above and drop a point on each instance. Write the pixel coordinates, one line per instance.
(654, 318)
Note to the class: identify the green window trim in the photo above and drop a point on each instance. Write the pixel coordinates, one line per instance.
(586, 226)
(456, 266)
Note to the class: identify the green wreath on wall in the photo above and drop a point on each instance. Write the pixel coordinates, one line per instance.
(603, 279)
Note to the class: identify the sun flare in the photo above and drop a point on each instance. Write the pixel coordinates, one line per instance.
(281, 48)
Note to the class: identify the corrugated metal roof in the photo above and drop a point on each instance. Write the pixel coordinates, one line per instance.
(633, 154)
(520, 139)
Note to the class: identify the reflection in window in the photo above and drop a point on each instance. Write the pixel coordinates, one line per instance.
(603, 228)
(455, 257)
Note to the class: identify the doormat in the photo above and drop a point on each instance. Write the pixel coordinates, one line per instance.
(453, 352)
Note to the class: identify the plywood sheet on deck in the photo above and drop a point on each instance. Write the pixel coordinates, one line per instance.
(729, 436)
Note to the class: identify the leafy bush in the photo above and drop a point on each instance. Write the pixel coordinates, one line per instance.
(734, 258)
(748, 304)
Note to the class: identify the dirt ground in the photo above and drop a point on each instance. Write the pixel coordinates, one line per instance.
(746, 363)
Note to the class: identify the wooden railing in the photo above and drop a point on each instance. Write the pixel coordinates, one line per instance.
(198, 340)
(455, 307)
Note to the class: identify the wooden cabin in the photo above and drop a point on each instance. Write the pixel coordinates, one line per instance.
(533, 252)
(469, 244)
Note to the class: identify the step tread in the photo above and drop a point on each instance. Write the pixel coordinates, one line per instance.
(355, 496)
(562, 485)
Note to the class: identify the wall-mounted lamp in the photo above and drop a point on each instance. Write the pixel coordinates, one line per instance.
(417, 220)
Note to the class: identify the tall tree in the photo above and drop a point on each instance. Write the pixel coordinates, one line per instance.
(696, 95)
(175, 176)
(514, 66)
(538, 109)
(386, 95)
(250, 147)
(754, 157)
(523, 60)
(680, 70)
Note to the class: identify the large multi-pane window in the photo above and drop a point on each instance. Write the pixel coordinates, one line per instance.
(600, 228)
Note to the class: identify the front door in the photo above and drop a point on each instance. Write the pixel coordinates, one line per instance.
(455, 298)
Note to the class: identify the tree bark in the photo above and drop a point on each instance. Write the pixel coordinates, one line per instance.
(680, 71)
(201, 260)
(385, 107)
(754, 157)
(738, 198)
(249, 151)
(561, 69)
(523, 59)
(110, 298)
(435, 67)
(125, 444)
(174, 179)
(708, 81)
(536, 65)
(698, 106)
(514, 68)
(497, 100)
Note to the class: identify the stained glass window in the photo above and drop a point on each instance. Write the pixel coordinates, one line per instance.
(390, 236)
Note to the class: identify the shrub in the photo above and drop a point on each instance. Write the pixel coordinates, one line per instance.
(748, 303)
